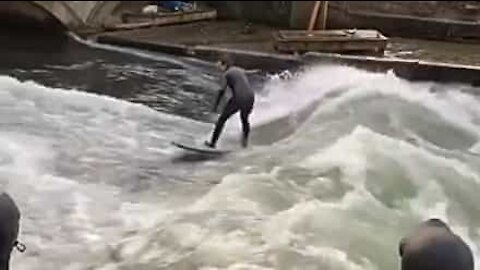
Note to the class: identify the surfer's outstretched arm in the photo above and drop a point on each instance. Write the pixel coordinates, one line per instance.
(219, 97)
(221, 92)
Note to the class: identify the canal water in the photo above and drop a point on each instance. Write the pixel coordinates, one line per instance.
(343, 163)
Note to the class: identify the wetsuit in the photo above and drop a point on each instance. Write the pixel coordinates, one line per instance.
(242, 100)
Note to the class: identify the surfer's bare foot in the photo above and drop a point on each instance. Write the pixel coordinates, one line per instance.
(209, 144)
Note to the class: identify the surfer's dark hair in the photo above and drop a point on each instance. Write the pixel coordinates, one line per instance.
(226, 60)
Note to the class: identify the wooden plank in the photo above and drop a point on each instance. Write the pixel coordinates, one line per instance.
(330, 41)
(175, 18)
(324, 15)
(314, 15)
(295, 35)
(331, 47)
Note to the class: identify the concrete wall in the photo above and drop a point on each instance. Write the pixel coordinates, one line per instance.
(447, 10)
(64, 12)
(269, 12)
(416, 19)
(73, 15)
(27, 14)
(442, 20)
(422, 19)
(300, 14)
(77, 15)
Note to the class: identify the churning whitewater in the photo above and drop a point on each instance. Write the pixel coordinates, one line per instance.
(343, 164)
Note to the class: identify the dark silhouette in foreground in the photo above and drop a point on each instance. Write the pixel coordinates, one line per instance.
(433, 246)
(9, 227)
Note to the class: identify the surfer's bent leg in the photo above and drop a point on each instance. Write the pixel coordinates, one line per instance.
(230, 109)
(245, 112)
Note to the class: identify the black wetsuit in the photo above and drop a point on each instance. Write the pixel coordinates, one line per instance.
(242, 100)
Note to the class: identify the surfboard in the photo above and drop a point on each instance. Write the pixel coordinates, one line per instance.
(200, 148)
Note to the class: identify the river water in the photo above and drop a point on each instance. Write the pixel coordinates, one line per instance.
(343, 163)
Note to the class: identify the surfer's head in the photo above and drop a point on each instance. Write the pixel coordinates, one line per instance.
(225, 62)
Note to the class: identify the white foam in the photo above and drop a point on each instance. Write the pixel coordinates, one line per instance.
(244, 226)
(37, 93)
(338, 206)
(286, 97)
(66, 159)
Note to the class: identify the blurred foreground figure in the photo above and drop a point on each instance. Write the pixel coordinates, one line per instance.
(9, 226)
(433, 246)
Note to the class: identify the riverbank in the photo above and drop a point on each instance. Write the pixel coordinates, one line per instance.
(258, 38)
(252, 44)
(226, 34)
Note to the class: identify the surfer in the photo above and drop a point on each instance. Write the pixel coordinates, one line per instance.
(242, 100)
